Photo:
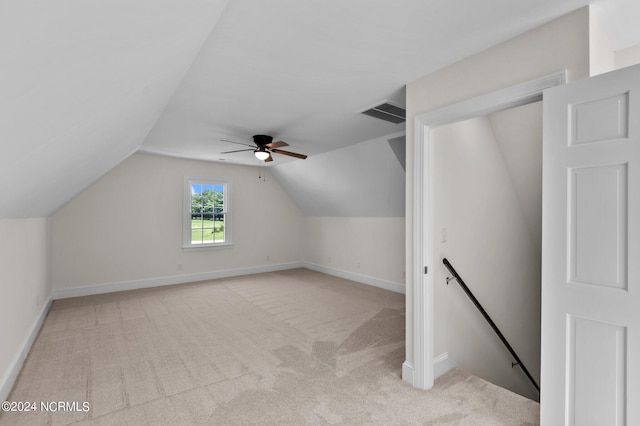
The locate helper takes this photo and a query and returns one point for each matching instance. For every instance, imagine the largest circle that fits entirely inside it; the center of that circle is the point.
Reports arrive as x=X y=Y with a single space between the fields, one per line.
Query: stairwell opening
x=487 y=218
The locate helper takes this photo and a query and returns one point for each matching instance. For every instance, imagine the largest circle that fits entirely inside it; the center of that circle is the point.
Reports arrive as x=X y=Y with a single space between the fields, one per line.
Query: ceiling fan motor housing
x=262 y=140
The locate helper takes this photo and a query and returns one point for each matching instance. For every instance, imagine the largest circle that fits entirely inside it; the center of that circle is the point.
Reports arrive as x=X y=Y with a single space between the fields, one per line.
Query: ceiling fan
x=263 y=147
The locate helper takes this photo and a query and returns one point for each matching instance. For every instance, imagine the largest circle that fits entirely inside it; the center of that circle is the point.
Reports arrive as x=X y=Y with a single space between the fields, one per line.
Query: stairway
x=481 y=402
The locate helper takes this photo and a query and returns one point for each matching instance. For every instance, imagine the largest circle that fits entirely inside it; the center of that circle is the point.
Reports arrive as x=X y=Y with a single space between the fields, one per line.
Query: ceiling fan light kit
x=262 y=148
x=261 y=154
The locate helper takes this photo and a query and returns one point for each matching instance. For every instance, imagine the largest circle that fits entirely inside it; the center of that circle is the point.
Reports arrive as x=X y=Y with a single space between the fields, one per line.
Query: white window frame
x=186 y=220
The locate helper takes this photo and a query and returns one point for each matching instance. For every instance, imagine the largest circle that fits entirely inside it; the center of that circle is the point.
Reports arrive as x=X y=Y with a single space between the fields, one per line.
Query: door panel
x=600 y=120
x=600 y=367
x=598 y=225
x=591 y=252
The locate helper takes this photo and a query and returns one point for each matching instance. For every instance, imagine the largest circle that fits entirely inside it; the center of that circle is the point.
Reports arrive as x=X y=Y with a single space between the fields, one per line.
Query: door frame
x=420 y=373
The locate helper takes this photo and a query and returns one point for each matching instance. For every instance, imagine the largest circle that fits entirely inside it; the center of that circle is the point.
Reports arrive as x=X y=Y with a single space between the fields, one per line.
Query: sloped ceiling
x=620 y=21
x=84 y=84
x=361 y=180
x=301 y=70
x=518 y=132
x=81 y=85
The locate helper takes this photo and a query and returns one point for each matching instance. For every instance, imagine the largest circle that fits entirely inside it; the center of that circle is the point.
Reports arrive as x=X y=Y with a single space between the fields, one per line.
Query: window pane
x=207 y=228
x=219 y=198
x=207 y=235
x=196 y=199
x=196 y=231
x=207 y=202
x=219 y=229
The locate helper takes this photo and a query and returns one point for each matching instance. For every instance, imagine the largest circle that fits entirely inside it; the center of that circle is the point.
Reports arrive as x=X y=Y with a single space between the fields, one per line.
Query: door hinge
x=426 y=269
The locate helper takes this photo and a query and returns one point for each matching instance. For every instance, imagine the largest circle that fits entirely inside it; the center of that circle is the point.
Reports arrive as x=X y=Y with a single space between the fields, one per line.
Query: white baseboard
x=6 y=382
x=407 y=373
x=171 y=280
x=387 y=285
x=443 y=363
x=187 y=278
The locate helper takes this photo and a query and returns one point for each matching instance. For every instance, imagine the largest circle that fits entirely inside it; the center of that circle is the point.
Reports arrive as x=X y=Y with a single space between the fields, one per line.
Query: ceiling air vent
x=387 y=111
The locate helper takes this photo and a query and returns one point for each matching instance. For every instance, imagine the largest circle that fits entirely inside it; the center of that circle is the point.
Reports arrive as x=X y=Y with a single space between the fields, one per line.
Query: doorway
x=487 y=222
x=419 y=371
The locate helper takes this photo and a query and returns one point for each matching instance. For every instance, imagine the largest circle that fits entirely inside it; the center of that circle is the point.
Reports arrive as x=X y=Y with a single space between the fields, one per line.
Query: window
x=207 y=219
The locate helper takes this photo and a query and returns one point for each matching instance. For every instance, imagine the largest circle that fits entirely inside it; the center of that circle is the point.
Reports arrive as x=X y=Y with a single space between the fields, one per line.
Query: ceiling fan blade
x=290 y=154
x=239 y=143
x=269 y=158
x=239 y=150
x=277 y=144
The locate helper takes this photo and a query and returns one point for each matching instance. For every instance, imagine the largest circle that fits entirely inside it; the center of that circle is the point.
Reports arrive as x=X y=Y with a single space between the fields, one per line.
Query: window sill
x=207 y=247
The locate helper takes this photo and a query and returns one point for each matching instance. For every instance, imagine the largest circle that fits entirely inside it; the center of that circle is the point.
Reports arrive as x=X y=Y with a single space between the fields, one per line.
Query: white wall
x=559 y=45
x=126 y=229
x=490 y=245
x=128 y=225
x=353 y=202
x=371 y=247
x=628 y=56
x=24 y=290
x=602 y=56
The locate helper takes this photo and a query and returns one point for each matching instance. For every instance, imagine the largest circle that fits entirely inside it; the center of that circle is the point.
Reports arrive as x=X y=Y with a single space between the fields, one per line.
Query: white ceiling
x=518 y=133
x=301 y=70
x=85 y=83
x=81 y=84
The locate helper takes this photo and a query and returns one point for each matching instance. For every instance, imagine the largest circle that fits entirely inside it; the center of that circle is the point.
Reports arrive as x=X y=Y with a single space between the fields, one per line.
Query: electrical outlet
x=328 y=259
x=37 y=300
x=358 y=265
x=179 y=266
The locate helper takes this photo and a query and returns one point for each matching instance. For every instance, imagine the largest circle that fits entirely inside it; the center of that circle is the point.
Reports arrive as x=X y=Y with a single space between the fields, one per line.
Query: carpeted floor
x=293 y=347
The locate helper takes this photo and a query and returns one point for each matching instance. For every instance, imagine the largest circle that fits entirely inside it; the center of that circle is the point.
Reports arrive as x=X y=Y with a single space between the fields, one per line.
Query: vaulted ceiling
x=84 y=83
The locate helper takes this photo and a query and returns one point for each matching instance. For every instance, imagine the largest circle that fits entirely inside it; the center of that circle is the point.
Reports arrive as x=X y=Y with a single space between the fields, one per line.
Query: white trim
x=214 y=246
x=521 y=94
x=364 y=279
x=422 y=288
x=407 y=373
x=189 y=278
x=7 y=381
x=443 y=363
x=176 y=279
x=510 y=97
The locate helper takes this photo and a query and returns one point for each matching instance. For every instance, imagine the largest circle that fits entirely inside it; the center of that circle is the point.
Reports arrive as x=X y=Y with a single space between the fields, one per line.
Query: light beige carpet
x=293 y=347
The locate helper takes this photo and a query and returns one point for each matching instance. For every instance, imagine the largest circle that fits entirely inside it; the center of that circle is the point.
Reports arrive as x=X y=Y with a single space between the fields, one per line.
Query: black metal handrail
x=486 y=316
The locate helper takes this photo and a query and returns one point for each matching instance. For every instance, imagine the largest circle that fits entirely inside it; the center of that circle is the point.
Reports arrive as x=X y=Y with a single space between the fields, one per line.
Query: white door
x=590 y=372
